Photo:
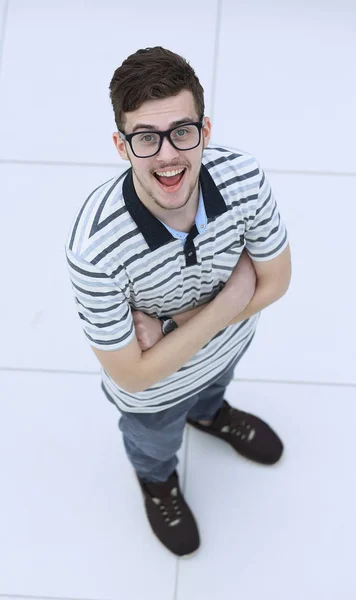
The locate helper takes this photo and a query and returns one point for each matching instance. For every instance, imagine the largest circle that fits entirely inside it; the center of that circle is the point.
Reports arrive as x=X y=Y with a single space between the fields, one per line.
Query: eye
x=147 y=138
x=181 y=132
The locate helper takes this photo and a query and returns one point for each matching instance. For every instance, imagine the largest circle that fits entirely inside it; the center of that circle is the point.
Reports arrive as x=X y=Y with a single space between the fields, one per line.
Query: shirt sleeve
x=266 y=235
x=104 y=311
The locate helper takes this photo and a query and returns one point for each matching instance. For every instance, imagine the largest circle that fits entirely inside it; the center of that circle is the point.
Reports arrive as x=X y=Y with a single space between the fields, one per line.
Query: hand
x=148 y=329
x=241 y=285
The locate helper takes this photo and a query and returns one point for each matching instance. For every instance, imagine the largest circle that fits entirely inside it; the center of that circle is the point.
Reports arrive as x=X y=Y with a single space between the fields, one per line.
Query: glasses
x=148 y=143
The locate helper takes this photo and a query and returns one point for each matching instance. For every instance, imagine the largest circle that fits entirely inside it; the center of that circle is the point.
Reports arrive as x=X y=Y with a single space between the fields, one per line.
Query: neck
x=185 y=220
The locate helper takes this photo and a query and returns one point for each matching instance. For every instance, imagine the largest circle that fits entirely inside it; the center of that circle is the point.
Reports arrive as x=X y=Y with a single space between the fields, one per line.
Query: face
x=160 y=114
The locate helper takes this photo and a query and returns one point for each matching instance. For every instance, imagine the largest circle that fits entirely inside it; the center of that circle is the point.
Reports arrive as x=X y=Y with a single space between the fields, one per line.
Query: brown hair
x=152 y=73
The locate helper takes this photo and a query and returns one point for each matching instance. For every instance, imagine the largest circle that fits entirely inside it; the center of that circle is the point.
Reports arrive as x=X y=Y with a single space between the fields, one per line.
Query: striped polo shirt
x=122 y=258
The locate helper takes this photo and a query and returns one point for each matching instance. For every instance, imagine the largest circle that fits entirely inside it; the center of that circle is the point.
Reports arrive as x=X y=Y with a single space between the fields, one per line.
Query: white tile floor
x=72 y=525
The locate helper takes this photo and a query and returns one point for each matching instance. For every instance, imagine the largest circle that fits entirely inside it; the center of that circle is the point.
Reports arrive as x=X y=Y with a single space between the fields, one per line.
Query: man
x=171 y=264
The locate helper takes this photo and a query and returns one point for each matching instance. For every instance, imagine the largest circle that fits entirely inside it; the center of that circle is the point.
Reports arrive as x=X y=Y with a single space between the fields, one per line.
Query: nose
x=167 y=151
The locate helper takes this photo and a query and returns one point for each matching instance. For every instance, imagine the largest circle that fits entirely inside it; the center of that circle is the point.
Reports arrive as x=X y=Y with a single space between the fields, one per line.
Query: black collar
x=154 y=232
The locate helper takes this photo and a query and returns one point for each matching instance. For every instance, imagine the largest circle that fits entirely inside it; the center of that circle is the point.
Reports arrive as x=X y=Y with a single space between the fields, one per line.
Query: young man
x=171 y=264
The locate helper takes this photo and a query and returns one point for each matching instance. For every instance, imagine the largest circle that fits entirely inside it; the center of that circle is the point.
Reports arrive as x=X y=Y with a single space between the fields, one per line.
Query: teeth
x=169 y=173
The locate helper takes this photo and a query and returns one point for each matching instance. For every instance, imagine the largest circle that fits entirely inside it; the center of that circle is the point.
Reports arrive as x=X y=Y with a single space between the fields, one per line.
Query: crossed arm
x=273 y=279
x=158 y=356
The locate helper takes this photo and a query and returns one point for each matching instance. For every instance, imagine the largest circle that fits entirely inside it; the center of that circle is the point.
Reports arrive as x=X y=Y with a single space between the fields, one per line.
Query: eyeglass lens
x=147 y=143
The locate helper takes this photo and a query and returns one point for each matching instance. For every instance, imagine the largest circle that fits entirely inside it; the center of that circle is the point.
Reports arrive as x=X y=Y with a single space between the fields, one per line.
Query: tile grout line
x=121 y=168
x=61 y=163
x=237 y=379
x=295 y=382
x=216 y=57
x=183 y=486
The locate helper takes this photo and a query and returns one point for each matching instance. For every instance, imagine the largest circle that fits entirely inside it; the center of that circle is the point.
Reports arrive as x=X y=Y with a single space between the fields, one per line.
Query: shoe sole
x=170 y=551
x=186 y=555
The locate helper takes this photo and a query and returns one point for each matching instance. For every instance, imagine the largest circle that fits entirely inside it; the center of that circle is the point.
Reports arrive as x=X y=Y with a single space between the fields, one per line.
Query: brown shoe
x=248 y=435
x=170 y=517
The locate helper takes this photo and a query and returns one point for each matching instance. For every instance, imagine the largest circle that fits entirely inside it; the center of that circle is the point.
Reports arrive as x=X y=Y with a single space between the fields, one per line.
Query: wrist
x=167 y=325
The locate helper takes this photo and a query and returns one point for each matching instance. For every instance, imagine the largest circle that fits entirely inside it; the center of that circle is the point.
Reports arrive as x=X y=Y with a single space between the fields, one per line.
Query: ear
x=120 y=145
x=206 y=131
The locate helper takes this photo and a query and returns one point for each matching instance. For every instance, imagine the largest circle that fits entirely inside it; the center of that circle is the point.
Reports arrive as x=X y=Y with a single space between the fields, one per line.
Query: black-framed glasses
x=148 y=143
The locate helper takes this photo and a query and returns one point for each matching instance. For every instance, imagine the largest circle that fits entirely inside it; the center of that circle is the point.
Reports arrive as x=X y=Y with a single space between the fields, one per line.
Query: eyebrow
x=140 y=126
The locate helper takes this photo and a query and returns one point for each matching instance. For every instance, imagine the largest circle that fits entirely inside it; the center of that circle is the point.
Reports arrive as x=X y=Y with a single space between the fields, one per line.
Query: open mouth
x=170 y=181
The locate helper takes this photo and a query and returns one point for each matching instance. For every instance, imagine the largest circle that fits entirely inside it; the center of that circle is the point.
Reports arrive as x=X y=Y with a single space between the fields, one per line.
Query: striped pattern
x=120 y=258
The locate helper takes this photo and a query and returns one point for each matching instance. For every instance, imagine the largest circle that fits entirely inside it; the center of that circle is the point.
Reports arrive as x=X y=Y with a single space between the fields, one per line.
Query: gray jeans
x=151 y=440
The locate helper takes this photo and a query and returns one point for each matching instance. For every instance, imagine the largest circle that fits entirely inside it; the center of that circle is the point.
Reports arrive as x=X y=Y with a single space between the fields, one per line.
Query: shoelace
x=169 y=507
x=238 y=426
